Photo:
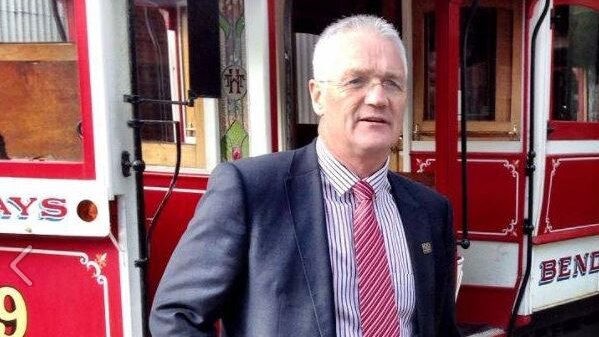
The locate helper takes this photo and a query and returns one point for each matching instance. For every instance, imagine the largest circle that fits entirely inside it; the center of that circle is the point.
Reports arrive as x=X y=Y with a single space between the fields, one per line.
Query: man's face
x=362 y=101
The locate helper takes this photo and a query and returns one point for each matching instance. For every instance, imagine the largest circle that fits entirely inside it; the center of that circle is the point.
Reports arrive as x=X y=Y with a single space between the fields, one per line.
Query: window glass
x=481 y=60
x=153 y=71
x=40 y=87
x=481 y=63
x=575 y=84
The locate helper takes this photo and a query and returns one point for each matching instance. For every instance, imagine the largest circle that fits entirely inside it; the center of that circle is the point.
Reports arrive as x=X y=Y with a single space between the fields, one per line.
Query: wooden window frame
x=507 y=123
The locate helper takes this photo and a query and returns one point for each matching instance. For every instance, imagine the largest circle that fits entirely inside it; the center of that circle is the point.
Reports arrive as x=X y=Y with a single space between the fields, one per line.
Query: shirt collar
x=342 y=179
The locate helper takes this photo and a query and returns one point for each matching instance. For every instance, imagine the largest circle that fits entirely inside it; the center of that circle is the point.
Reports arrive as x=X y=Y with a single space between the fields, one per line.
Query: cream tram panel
x=564 y=271
x=43 y=207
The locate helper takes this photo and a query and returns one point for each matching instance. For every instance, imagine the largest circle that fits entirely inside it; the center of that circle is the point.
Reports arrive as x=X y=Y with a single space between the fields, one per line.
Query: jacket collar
x=304 y=194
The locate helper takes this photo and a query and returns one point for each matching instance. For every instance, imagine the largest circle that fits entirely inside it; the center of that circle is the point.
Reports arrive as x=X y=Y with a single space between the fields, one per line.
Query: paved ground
x=584 y=327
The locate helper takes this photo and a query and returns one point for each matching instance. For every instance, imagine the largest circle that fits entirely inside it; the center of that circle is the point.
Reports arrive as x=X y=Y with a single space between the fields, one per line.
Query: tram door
x=66 y=211
x=305 y=20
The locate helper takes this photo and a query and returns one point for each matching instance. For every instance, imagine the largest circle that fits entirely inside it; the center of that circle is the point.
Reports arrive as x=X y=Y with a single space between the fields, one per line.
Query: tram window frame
x=564 y=129
x=84 y=168
x=506 y=125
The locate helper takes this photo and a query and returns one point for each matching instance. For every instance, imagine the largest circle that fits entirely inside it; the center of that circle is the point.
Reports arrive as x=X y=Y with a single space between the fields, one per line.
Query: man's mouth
x=373 y=120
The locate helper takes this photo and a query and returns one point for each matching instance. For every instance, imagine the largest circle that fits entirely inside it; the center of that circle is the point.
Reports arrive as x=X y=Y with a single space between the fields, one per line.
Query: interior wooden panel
x=418 y=54
x=164 y=154
x=40 y=109
x=38 y=52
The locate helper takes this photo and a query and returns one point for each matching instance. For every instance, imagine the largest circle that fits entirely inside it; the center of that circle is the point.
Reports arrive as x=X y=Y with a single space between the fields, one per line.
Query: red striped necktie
x=378 y=309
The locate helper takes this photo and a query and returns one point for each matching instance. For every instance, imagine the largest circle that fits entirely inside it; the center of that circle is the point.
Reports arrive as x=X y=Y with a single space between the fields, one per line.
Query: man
x=324 y=240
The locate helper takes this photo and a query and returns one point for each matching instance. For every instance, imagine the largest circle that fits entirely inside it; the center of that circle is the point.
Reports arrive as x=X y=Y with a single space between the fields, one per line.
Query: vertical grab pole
x=465 y=242
x=142 y=259
x=530 y=168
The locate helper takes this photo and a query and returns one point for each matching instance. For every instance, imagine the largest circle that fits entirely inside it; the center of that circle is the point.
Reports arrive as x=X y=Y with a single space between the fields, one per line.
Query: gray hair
x=349 y=24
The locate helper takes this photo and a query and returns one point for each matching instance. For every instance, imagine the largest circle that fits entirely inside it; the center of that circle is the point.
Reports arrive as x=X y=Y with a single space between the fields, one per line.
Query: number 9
x=13 y=313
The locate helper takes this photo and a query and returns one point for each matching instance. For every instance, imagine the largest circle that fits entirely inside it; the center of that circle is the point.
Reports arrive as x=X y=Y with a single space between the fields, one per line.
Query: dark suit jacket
x=256 y=255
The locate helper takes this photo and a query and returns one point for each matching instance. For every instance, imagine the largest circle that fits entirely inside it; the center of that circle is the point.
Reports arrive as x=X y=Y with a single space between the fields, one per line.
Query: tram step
x=487 y=332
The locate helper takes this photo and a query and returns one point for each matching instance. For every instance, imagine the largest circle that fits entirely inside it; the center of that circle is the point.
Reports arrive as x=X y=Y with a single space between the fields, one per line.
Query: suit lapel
x=304 y=193
x=416 y=227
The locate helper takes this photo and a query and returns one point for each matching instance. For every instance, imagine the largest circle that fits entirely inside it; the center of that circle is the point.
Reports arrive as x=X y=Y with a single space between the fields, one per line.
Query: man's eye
x=356 y=82
x=391 y=84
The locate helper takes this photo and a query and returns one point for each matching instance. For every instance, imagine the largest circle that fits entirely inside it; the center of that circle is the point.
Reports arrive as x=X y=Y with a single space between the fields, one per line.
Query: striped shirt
x=339 y=201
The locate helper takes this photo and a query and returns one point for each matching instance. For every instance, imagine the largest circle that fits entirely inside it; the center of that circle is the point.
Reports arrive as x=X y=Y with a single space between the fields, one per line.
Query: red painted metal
x=485 y=305
x=563 y=236
x=570 y=198
x=57 y=169
x=523 y=320
x=566 y=130
x=594 y=4
x=447 y=39
x=173 y=222
x=495 y=193
x=272 y=62
x=73 y=283
x=162 y=179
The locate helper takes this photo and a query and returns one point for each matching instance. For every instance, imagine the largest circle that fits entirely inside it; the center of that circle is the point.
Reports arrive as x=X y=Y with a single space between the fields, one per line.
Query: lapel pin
x=427 y=247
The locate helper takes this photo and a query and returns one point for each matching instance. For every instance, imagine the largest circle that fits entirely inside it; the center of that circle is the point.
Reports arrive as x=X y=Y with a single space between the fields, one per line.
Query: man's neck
x=362 y=165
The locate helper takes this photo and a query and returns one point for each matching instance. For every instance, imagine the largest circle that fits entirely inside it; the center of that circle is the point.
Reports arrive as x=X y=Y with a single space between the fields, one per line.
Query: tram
x=115 y=112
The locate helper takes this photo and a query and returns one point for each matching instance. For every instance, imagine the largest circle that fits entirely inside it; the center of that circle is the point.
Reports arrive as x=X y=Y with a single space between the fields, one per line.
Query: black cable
x=59 y=24
x=169 y=192
x=159 y=69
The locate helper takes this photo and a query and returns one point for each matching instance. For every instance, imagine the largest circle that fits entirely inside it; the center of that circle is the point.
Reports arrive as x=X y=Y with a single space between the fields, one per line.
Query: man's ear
x=316 y=96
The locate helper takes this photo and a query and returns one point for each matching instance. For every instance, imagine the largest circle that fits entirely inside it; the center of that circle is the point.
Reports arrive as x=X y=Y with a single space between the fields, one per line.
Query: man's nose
x=376 y=95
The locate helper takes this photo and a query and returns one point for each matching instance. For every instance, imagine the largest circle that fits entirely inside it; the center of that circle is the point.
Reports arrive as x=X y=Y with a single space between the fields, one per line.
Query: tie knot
x=363 y=190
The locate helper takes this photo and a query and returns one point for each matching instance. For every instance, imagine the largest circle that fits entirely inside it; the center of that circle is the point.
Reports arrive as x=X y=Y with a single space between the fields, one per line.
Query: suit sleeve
x=206 y=263
x=448 y=326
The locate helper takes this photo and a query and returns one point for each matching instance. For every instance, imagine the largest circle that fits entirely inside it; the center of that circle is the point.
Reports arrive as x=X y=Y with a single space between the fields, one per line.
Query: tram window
x=161 y=37
x=178 y=45
x=493 y=96
x=575 y=83
x=480 y=63
x=40 y=89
